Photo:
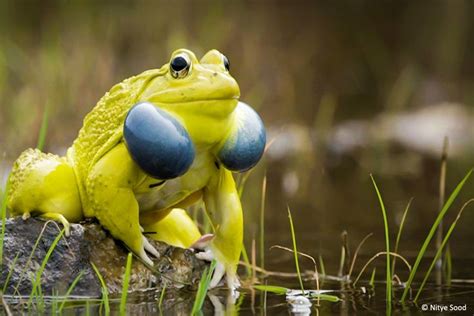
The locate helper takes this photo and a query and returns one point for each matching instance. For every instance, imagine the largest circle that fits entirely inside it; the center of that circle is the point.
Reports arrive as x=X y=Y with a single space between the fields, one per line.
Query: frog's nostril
x=215 y=74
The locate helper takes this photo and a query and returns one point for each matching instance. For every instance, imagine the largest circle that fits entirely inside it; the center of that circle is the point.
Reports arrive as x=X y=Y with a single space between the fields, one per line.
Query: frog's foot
x=149 y=247
x=58 y=218
x=144 y=257
x=219 y=272
x=26 y=215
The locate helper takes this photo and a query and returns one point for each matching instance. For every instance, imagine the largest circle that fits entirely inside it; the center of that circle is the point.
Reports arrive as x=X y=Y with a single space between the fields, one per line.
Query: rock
x=88 y=243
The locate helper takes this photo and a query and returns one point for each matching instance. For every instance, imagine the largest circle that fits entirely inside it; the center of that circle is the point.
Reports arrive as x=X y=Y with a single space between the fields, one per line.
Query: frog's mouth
x=217 y=108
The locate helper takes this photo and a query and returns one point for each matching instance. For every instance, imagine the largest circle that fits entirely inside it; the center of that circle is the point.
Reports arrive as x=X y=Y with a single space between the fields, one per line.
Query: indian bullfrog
x=153 y=145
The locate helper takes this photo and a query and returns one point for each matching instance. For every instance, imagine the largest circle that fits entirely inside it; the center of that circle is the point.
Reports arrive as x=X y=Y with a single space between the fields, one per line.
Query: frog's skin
x=153 y=145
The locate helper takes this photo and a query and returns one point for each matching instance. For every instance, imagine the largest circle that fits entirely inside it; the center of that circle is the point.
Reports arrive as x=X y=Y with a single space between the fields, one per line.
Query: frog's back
x=102 y=128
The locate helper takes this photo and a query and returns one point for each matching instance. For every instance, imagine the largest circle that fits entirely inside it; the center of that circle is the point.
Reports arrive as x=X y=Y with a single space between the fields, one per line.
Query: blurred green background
x=310 y=68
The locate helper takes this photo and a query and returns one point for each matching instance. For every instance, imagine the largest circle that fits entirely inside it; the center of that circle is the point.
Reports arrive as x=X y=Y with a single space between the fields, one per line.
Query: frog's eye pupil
x=179 y=66
x=226 y=63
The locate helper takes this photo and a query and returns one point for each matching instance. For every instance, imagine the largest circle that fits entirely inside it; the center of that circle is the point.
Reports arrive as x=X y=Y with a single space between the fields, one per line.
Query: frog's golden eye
x=179 y=66
x=226 y=62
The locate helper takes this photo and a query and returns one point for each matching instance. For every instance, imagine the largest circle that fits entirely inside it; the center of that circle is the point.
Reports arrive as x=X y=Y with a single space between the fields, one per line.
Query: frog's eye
x=179 y=66
x=226 y=62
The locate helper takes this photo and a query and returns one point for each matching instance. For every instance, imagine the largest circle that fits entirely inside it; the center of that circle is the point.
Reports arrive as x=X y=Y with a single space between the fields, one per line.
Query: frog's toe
x=207 y=255
x=149 y=247
x=26 y=215
x=232 y=281
x=144 y=257
x=67 y=229
x=217 y=276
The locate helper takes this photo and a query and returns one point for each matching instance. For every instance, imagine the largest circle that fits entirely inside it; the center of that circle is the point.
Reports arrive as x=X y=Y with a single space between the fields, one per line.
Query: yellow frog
x=154 y=144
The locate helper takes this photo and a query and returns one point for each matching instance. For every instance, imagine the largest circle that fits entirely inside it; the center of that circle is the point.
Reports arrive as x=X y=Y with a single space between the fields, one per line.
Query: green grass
x=126 y=283
x=43 y=129
x=162 y=297
x=431 y=233
x=4 y=216
x=387 y=245
x=37 y=282
x=105 y=291
x=203 y=288
x=245 y=258
x=321 y=265
x=31 y=255
x=69 y=290
x=275 y=289
x=372 y=277
x=440 y=249
x=280 y=290
x=295 y=250
x=448 y=266
x=399 y=234
x=12 y=267
x=262 y=223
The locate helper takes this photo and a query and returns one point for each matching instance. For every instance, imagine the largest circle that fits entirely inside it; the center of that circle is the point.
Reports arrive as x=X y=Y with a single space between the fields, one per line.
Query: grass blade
x=4 y=216
x=372 y=277
x=43 y=129
x=399 y=234
x=203 y=287
x=37 y=281
x=126 y=283
x=295 y=250
x=162 y=297
x=435 y=225
x=387 y=244
x=262 y=223
x=440 y=249
x=105 y=292
x=326 y=297
x=321 y=265
x=7 y=280
x=69 y=291
x=271 y=288
x=448 y=266
x=245 y=258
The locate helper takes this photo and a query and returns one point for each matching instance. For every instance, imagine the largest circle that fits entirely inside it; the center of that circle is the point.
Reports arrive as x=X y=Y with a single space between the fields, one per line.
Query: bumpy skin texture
x=99 y=178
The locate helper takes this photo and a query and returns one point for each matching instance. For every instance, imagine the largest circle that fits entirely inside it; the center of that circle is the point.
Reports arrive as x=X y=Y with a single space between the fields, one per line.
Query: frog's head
x=192 y=88
x=192 y=103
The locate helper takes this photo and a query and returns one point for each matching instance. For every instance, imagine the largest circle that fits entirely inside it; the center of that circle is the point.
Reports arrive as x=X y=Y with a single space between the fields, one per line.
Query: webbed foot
x=232 y=280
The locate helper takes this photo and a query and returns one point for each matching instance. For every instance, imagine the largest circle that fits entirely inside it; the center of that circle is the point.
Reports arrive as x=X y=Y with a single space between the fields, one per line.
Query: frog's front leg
x=110 y=192
x=223 y=206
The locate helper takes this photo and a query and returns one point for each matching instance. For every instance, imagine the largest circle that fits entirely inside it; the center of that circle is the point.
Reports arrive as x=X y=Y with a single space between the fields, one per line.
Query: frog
x=154 y=145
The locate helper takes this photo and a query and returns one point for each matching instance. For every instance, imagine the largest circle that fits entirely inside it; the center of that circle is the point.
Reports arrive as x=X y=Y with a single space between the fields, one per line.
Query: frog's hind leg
x=44 y=185
x=176 y=229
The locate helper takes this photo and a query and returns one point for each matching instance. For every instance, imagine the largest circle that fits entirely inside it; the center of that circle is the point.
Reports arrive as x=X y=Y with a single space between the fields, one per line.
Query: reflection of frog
x=155 y=143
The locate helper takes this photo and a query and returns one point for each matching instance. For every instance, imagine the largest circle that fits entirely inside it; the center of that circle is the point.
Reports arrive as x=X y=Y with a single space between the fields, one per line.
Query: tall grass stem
x=431 y=233
x=387 y=246
x=295 y=250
